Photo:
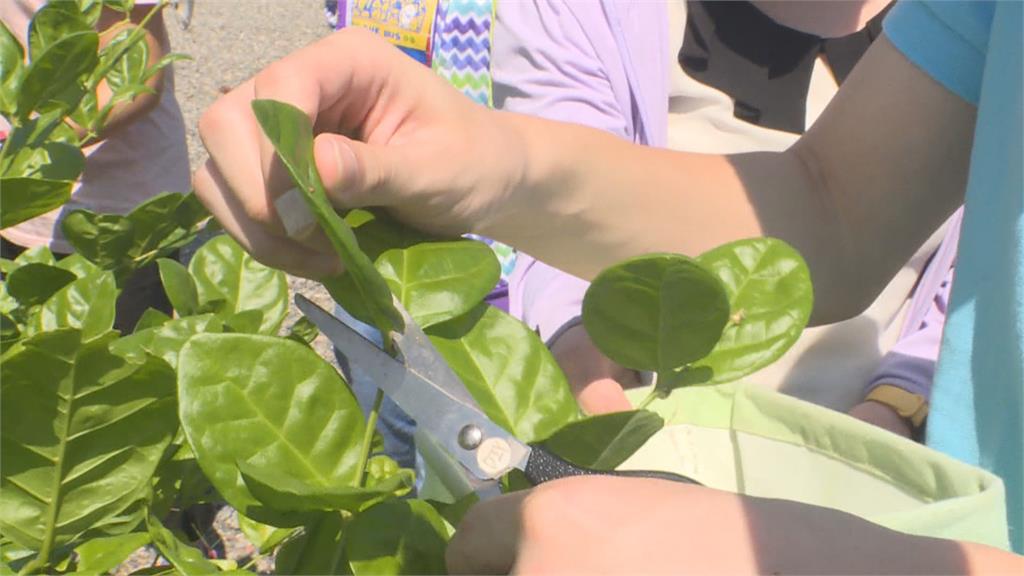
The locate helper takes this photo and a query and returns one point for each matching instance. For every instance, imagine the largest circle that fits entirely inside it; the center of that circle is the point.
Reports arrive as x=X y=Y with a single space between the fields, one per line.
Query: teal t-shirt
x=974 y=49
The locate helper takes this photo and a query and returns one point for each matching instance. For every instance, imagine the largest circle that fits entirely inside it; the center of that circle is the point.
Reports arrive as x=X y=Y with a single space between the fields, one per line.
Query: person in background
x=736 y=77
x=140 y=153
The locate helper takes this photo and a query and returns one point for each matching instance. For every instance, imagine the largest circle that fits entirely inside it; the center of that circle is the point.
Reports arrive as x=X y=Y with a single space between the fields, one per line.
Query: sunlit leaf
x=103 y=555
x=179 y=286
x=605 y=441
x=397 y=537
x=57 y=70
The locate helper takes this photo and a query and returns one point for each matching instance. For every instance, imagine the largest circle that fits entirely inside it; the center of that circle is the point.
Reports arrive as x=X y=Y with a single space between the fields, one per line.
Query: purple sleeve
x=911 y=362
x=544 y=64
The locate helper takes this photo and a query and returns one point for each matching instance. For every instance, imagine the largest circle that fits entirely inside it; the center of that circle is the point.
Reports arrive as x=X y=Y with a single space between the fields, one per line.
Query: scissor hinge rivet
x=470 y=436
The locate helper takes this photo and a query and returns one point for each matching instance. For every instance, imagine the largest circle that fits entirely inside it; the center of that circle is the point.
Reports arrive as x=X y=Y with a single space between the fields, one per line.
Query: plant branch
x=371 y=426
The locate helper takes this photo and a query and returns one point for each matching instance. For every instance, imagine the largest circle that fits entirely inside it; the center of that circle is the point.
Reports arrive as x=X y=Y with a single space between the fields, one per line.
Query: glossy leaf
x=508 y=371
x=51 y=23
x=151 y=318
x=291 y=133
x=166 y=340
x=33 y=284
x=12 y=69
x=26 y=198
x=437 y=281
x=37 y=255
x=86 y=304
x=102 y=238
x=130 y=67
x=186 y=560
x=605 y=441
x=318 y=550
x=655 y=312
x=103 y=555
x=179 y=286
x=163 y=224
x=47 y=160
x=77 y=265
x=397 y=537
x=282 y=491
x=223 y=271
x=246 y=322
x=68 y=407
x=264 y=537
x=770 y=298
x=276 y=405
x=57 y=70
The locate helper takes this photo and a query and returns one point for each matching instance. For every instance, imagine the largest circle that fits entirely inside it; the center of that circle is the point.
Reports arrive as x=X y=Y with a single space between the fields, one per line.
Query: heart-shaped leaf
x=223 y=271
x=275 y=405
x=655 y=312
x=770 y=298
x=508 y=371
x=68 y=407
x=605 y=441
x=291 y=133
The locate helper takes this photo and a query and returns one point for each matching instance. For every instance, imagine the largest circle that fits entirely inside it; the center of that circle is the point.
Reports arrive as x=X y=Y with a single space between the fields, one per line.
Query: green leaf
x=222 y=270
x=67 y=409
x=77 y=265
x=318 y=550
x=282 y=491
x=26 y=198
x=87 y=304
x=605 y=441
x=437 y=281
x=303 y=331
x=656 y=312
x=179 y=482
x=45 y=160
x=275 y=405
x=12 y=69
x=130 y=68
x=51 y=23
x=508 y=371
x=291 y=133
x=90 y=10
x=397 y=537
x=125 y=6
x=246 y=322
x=264 y=537
x=56 y=71
x=9 y=332
x=163 y=224
x=166 y=340
x=37 y=255
x=770 y=298
x=179 y=286
x=187 y=560
x=151 y=318
x=104 y=239
x=33 y=284
x=103 y=555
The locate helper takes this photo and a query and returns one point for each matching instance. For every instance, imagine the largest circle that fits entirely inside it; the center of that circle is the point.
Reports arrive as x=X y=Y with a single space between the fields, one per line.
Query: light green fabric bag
x=750 y=440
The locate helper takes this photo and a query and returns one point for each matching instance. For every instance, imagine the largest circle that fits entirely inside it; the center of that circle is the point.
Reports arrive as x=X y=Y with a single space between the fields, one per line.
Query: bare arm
x=885 y=164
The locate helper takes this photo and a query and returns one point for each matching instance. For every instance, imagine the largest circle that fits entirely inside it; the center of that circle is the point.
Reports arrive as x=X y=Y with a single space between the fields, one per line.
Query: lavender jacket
x=603 y=64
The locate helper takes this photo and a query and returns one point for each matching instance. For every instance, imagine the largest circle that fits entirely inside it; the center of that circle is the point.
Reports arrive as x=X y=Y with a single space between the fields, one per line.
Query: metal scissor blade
x=434 y=408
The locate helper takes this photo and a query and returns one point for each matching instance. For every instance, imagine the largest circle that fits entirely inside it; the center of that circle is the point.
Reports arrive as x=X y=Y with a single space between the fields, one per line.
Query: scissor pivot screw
x=470 y=436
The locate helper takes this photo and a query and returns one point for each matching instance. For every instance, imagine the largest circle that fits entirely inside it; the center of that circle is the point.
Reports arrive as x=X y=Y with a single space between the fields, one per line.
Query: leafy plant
x=104 y=433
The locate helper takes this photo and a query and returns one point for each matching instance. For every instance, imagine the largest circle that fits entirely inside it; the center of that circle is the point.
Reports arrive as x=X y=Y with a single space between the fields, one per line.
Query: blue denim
x=393 y=423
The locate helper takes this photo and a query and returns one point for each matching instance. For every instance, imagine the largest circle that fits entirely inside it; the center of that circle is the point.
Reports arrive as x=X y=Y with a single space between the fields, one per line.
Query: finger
x=356 y=174
x=269 y=249
x=231 y=135
x=488 y=537
x=601 y=396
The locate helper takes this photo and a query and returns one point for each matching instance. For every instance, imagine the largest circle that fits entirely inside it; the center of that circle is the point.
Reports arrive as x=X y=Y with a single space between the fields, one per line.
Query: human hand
x=596 y=381
x=390 y=133
x=604 y=524
x=882 y=416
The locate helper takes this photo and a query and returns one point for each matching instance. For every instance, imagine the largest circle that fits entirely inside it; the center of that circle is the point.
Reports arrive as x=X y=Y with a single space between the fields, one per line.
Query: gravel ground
x=229 y=41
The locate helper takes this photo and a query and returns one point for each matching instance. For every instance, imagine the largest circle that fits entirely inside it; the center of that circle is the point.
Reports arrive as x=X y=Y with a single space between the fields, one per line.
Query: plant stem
x=651 y=397
x=371 y=426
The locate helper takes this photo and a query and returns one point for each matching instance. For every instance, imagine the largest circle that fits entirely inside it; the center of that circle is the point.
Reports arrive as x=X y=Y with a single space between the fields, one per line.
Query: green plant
x=103 y=433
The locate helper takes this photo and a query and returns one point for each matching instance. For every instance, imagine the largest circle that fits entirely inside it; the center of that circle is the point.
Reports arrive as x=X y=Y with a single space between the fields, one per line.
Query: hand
x=882 y=416
x=602 y=524
x=596 y=381
x=391 y=133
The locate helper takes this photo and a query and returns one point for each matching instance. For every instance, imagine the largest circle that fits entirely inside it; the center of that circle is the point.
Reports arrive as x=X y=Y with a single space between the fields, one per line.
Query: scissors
x=427 y=389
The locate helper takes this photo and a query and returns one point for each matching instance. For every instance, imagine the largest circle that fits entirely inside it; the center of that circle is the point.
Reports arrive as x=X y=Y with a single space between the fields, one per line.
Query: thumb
x=355 y=174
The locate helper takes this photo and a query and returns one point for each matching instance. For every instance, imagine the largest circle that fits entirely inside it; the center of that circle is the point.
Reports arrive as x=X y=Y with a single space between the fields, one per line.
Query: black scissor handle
x=543 y=466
